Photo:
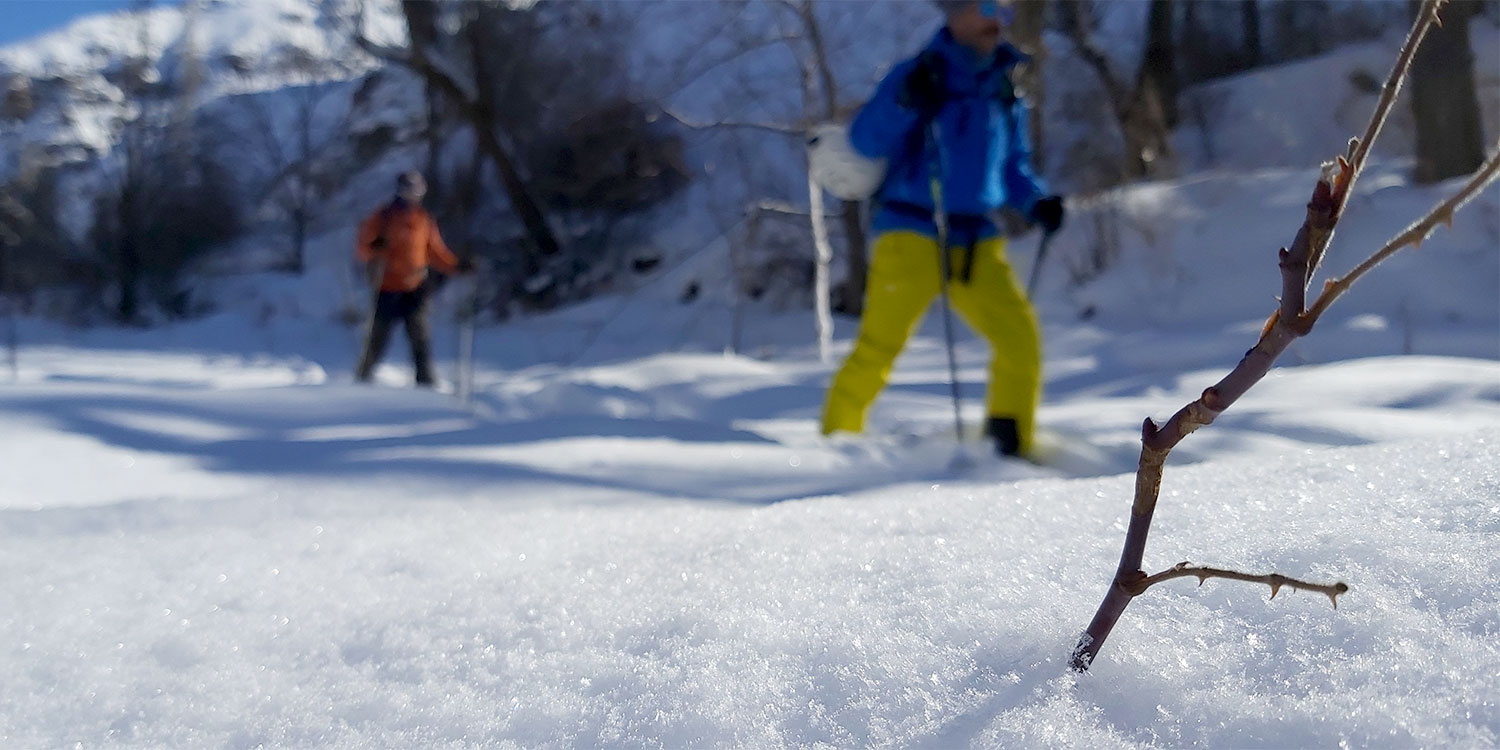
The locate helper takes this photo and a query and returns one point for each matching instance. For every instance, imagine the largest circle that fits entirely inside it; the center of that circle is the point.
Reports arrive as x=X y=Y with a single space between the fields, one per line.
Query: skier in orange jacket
x=398 y=243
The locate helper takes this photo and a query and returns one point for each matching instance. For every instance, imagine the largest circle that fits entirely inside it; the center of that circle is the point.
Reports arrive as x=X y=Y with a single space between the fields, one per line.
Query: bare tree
x=1026 y=35
x=1147 y=109
x=1293 y=319
x=471 y=94
x=815 y=34
x=12 y=214
x=293 y=175
x=821 y=99
x=1250 y=24
x=543 y=91
x=1449 y=137
x=168 y=201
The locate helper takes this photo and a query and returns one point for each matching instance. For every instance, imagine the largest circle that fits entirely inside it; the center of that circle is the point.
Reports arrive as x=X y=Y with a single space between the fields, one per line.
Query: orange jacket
x=411 y=244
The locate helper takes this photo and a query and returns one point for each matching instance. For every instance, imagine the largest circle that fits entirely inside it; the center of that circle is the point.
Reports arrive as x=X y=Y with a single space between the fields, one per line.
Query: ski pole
x=466 y=342
x=376 y=270
x=940 y=219
x=1036 y=265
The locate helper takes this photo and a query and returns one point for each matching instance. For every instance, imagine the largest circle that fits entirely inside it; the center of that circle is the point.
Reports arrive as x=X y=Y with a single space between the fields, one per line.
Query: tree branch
x=1275 y=580
x=1412 y=236
x=1094 y=57
x=1287 y=323
x=768 y=127
x=1353 y=165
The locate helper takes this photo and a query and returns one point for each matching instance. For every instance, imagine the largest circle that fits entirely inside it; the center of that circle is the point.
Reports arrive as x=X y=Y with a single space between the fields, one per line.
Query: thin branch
x=768 y=127
x=1427 y=16
x=750 y=48
x=1353 y=165
x=1298 y=263
x=1413 y=236
x=1095 y=58
x=1275 y=580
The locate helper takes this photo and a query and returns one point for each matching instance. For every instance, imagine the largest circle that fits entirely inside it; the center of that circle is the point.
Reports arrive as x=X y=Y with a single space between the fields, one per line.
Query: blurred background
x=163 y=162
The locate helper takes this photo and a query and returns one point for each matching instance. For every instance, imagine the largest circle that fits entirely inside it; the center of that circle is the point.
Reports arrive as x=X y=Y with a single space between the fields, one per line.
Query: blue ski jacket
x=986 y=153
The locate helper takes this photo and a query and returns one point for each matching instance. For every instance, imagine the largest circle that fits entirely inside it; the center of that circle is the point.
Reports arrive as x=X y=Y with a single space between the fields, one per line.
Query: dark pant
x=411 y=309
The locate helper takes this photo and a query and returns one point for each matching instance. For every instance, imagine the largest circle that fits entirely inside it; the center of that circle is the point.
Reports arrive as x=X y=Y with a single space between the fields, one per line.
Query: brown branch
x=1359 y=149
x=1298 y=263
x=1426 y=17
x=1275 y=580
x=1157 y=441
x=1095 y=58
x=1412 y=236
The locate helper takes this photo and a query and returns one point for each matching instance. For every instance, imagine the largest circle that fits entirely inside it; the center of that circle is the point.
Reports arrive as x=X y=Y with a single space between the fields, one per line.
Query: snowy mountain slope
x=72 y=78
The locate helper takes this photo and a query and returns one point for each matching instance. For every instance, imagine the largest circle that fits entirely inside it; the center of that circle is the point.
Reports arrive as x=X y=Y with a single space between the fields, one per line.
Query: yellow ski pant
x=905 y=276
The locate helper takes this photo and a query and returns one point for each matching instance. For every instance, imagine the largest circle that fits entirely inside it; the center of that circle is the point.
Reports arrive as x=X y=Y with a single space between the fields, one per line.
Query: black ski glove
x=925 y=87
x=1048 y=212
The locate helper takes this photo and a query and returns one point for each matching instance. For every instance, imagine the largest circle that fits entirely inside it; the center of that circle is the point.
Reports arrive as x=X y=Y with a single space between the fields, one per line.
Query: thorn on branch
x=1338 y=588
x=1275 y=580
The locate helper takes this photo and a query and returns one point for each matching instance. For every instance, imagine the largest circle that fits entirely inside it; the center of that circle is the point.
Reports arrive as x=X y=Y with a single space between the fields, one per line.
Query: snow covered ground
x=209 y=537
x=217 y=553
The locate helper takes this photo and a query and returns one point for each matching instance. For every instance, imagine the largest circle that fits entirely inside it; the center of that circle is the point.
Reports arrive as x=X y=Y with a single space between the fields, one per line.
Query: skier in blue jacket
x=961 y=82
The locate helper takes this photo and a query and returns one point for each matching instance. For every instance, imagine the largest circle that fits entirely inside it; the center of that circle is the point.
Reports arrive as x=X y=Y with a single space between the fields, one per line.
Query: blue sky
x=22 y=19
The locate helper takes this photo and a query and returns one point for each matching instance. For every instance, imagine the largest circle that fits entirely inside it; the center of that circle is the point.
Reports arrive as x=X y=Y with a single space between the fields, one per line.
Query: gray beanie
x=411 y=180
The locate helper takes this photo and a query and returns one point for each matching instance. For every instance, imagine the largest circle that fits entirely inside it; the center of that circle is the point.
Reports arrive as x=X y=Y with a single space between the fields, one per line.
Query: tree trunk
x=434 y=140
x=1159 y=63
x=851 y=292
x=821 y=292
x=1151 y=112
x=1141 y=112
x=130 y=275
x=1250 y=22
x=1026 y=33
x=851 y=297
x=128 y=262
x=300 y=220
x=1449 y=137
x=421 y=25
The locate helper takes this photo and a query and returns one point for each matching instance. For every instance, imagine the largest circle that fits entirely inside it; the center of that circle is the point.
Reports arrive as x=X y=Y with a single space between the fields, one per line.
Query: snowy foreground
x=205 y=551
x=210 y=538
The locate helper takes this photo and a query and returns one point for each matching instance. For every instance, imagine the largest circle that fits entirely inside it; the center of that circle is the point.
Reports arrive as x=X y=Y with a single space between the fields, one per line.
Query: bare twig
x=1359 y=149
x=1275 y=580
x=1289 y=322
x=1413 y=235
x=768 y=127
x=783 y=208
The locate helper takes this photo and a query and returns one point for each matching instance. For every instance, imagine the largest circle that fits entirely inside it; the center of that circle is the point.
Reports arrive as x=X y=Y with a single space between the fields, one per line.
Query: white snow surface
x=212 y=552
x=211 y=538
